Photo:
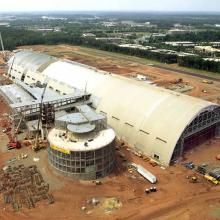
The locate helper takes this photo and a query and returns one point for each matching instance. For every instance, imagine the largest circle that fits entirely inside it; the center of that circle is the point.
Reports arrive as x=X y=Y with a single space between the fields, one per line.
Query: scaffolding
x=81 y=145
x=59 y=103
x=84 y=165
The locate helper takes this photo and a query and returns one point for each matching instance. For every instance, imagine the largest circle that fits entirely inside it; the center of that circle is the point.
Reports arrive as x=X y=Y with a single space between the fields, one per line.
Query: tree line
x=199 y=63
x=19 y=37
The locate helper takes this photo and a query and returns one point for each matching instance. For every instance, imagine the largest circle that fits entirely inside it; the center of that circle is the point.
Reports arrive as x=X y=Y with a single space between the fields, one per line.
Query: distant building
x=88 y=35
x=135 y=24
x=177 y=25
x=144 y=39
x=57 y=29
x=45 y=29
x=109 y=24
x=130 y=23
x=215 y=44
x=165 y=51
x=183 y=54
x=136 y=46
x=126 y=35
x=207 y=49
x=212 y=59
x=53 y=18
x=113 y=40
x=6 y=24
x=180 y=43
x=178 y=31
x=173 y=52
x=158 y=35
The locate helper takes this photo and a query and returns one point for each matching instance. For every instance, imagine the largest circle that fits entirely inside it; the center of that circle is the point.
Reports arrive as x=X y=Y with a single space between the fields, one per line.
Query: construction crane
x=11 y=66
x=37 y=146
x=2 y=46
x=84 y=98
x=13 y=142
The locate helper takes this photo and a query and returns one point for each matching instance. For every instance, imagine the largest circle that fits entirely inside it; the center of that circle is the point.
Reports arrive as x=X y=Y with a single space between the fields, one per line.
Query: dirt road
x=201 y=76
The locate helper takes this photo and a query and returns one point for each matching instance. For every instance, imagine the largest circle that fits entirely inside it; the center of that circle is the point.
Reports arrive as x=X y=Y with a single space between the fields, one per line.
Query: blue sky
x=110 y=5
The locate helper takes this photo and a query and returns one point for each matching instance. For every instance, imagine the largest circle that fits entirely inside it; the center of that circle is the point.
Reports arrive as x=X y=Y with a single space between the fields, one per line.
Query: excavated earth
x=176 y=196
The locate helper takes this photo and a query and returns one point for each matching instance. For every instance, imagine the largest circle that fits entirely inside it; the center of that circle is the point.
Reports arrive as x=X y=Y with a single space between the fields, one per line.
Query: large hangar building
x=160 y=123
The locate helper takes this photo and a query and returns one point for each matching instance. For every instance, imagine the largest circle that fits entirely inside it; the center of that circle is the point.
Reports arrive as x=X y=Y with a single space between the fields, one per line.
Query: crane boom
x=39 y=119
x=3 y=49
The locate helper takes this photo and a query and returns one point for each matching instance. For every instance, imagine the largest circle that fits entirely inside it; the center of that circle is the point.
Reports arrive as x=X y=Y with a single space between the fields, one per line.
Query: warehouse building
x=157 y=122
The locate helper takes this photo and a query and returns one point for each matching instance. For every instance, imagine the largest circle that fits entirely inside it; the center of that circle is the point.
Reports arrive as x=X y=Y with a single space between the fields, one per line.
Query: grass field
x=91 y=53
x=96 y=52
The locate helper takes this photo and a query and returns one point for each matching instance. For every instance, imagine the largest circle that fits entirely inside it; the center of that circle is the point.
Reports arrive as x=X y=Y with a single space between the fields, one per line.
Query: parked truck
x=146 y=174
x=143 y=172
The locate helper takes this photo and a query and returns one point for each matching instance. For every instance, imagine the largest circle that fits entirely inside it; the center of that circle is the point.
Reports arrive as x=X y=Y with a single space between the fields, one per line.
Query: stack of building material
x=23 y=186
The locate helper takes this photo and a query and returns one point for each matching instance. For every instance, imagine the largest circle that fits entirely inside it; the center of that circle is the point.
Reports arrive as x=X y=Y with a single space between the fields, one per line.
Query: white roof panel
x=149 y=118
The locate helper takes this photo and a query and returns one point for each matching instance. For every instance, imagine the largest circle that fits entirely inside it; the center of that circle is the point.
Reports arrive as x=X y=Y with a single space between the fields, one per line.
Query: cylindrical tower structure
x=81 y=149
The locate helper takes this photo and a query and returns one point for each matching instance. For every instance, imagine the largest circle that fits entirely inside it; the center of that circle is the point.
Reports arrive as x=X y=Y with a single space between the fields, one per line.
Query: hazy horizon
x=204 y=6
x=108 y=11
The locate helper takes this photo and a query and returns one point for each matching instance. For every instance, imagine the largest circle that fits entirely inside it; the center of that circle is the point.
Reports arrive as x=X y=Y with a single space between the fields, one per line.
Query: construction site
x=88 y=134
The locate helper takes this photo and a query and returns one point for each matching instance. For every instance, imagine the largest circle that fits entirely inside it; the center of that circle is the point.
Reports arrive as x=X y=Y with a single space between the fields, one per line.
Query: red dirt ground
x=176 y=198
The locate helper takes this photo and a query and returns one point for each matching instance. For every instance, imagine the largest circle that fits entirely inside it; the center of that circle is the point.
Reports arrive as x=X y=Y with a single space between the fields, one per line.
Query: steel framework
x=205 y=124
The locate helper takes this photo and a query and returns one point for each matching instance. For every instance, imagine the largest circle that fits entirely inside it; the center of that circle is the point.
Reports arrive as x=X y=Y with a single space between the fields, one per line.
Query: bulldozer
x=211 y=179
x=192 y=179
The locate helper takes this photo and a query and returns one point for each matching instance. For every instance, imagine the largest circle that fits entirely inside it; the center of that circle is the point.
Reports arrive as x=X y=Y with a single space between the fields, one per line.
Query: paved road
x=188 y=73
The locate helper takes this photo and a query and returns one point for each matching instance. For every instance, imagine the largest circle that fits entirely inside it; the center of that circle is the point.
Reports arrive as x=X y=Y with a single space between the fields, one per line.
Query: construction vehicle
x=207 y=82
x=130 y=170
x=14 y=144
x=6 y=130
x=97 y=182
x=153 y=163
x=41 y=144
x=12 y=133
x=211 y=179
x=215 y=173
x=201 y=169
x=193 y=179
x=147 y=191
x=27 y=142
x=189 y=165
x=145 y=158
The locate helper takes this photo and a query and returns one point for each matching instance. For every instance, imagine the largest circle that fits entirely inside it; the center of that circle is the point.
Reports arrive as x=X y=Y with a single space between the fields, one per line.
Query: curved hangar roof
x=150 y=118
x=29 y=60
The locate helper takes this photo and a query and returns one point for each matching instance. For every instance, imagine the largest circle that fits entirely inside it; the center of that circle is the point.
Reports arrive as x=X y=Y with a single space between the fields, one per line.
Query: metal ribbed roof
x=34 y=61
x=149 y=118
